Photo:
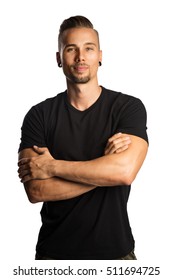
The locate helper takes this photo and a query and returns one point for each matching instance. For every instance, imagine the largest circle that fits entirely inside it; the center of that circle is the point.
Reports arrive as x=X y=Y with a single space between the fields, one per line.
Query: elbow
x=128 y=179
x=125 y=177
x=32 y=199
x=128 y=175
x=33 y=192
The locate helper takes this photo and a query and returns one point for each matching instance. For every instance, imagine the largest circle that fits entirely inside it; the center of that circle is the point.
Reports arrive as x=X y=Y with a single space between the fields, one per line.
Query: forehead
x=78 y=36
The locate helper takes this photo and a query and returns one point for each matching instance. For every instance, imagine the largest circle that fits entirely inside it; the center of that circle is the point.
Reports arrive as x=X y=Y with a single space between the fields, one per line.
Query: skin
x=54 y=188
x=48 y=179
x=80 y=56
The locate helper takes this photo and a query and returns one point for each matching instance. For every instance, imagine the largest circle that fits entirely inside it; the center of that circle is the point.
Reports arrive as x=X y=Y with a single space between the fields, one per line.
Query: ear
x=58 y=57
x=100 y=56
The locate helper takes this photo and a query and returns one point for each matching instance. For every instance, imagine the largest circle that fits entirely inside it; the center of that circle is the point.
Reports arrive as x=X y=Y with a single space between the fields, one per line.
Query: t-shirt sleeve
x=32 y=130
x=133 y=119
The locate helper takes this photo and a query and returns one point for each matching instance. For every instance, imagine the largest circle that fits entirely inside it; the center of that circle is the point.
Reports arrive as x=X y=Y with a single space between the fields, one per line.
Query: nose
x=79 y=56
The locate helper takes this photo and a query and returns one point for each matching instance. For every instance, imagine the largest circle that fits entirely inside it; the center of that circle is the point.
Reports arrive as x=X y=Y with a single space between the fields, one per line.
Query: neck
x=82 y=96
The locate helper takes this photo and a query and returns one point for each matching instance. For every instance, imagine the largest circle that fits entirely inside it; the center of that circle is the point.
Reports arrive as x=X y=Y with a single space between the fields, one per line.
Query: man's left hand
x=38 y=167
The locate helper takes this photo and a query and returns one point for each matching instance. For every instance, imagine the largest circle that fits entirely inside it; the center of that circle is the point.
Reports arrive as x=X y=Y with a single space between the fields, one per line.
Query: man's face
x=80 y=54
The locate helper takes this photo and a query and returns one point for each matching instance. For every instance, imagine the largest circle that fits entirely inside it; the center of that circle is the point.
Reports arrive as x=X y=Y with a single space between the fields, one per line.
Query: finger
x=39 y=150
x=23 y=161
x=26 y=179
x=115 y=136
x=23 y=170
x=23 y=167
x=117 y=145
x=116 y=139
x=119 y=142
x=107 y=150
x=23 y=173
x=119 y=138
x=110 y=149
x=122 y=149
x=114 y=150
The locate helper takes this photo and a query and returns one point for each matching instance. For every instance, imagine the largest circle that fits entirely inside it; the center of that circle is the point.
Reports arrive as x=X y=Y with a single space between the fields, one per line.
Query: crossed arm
x=47 y=179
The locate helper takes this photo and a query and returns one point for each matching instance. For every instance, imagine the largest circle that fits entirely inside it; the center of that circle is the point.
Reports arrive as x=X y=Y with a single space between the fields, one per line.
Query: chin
x=82 y=80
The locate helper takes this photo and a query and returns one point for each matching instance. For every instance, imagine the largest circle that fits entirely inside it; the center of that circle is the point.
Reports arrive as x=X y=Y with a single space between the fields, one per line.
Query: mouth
x=80 y=68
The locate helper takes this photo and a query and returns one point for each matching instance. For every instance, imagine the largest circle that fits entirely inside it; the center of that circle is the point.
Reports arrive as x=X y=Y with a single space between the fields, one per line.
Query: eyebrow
x=74 y=45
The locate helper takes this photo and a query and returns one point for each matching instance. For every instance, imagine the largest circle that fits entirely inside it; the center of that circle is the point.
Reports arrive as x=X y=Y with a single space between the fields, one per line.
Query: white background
x=136 y=39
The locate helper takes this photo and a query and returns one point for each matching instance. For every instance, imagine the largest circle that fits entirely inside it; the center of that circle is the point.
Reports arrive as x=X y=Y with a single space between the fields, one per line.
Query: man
x=79 y=153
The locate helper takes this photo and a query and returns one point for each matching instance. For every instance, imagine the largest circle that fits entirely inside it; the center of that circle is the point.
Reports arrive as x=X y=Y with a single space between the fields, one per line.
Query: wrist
x=53 y=170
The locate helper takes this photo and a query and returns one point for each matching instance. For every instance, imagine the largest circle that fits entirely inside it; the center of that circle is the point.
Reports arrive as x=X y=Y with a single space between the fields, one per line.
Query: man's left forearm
x=109 y=170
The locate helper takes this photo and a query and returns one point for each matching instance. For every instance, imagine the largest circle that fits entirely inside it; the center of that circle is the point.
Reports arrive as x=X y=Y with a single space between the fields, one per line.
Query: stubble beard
x=78 y=79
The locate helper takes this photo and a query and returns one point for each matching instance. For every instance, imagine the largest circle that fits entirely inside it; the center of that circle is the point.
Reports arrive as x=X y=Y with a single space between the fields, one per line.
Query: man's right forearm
x=54 y=189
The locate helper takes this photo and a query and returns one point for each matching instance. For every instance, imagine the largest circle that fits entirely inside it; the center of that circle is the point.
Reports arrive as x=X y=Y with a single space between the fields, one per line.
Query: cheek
x=94 y=56
x=94 y=62
x=67 y=58
x=94 y=59
x=67 y=62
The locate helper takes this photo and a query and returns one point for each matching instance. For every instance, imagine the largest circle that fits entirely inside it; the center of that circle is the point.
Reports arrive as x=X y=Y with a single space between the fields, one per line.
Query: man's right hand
x=118 y=143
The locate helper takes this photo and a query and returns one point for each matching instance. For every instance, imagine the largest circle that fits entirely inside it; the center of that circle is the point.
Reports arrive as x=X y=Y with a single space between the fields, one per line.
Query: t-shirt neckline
x=89 y=108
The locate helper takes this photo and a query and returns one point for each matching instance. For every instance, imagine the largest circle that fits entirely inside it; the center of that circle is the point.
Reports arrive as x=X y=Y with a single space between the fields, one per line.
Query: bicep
x=26 y=153
x=124 y=166
x=134 y=156
x=33 y=129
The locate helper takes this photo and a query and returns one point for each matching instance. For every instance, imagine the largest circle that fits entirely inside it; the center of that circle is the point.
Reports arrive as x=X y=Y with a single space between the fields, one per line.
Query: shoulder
x=46 y=105
x=122 y=100
x=49 y=102
x=119 y=95
x=128 y=113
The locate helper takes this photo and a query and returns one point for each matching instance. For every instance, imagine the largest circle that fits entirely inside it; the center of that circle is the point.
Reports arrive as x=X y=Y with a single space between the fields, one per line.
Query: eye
x=71 y=49
x=89 y=49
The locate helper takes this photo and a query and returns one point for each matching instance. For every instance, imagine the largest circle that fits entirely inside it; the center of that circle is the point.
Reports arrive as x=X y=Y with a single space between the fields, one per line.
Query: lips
x=80 y=68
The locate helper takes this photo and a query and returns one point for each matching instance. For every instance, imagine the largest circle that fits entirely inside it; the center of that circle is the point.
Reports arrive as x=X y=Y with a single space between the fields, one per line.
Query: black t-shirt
x=94 y=225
